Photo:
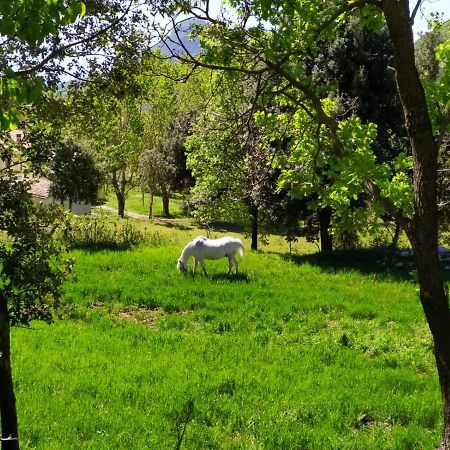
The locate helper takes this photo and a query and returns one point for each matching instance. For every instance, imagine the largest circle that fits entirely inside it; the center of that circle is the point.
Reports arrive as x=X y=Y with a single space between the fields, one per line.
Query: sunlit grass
x=138 y=202
x=310 y=353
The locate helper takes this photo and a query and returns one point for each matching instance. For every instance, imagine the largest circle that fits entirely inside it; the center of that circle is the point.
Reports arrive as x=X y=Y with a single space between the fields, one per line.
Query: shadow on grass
x=224 y=227
x=232 y=278
x=380 y=261
x=175 y=225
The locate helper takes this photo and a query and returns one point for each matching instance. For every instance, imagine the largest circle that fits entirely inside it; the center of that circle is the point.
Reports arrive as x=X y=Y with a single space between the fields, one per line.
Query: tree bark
x=119 y=187
x=10 y=432
x=396 y=236
x=255 y=226
x=326 y=239
x=165 y=201
x=121 y=205
x=423 y=233
x=150 y=206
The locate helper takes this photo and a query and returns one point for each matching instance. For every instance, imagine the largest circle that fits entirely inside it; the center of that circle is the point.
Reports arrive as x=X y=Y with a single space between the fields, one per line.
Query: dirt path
x=138 y=216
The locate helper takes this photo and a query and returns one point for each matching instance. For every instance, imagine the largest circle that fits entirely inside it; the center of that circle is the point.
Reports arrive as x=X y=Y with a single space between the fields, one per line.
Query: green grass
x=139 y=203
x=304 y=353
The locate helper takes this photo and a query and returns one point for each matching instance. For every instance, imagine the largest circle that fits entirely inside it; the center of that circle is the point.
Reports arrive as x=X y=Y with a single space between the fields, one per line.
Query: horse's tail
x=241 y=248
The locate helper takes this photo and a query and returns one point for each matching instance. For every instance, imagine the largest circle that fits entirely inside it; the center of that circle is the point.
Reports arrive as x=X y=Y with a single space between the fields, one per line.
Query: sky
x=428 y=7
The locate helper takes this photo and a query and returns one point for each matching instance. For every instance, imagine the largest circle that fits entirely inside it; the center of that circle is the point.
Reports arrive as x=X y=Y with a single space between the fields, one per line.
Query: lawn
x=138 y=202
x=304 y=352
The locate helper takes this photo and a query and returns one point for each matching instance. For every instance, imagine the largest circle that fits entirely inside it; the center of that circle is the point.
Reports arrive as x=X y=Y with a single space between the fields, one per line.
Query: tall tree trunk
x=119 y=186
x=10 y=433
x=326 y=239
x=150 y=206
x=255 y=229
x=120 y=204
x=423 y=233
x=165 y=201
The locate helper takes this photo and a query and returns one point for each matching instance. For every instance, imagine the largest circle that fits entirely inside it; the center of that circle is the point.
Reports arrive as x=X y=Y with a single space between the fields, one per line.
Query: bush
x=87 y=232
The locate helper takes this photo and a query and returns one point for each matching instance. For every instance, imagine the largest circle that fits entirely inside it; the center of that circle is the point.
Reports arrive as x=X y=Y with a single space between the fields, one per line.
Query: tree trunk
x=396 y=236
x=326 y=239
x=10 y=433
x=423 y=233
x=165 y=201
x=150 y=206
x=255 y=226
x=120 y=204
x=119 y=190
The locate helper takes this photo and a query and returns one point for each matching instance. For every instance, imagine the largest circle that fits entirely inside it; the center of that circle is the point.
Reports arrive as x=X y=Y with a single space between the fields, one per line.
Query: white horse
x=202 y=248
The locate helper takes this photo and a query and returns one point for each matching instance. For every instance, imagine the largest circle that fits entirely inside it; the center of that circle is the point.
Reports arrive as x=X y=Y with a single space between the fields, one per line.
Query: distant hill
x=177 y=40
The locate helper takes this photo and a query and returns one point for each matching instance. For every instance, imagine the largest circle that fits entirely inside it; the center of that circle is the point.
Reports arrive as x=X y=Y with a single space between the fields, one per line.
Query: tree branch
x=59 y=51
x=414 y=12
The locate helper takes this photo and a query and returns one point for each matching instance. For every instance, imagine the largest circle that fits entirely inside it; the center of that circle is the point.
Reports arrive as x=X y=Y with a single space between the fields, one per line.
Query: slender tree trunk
x=396 y=236
x=255 y=229
x=120 y=204
x=10 y=433
x=119 y=186
x=165 y=201
x=150 y=206
x=423 y=233
x=326 y=239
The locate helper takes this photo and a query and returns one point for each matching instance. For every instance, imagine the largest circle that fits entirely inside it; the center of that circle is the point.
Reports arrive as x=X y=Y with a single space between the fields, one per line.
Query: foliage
x=22 y=36
x=171 y=107
x=433 y=55
x=338 y=179
x=73 y=173
x=233 y=177
x=94 y=233
x=31 y=262
x=111 y=113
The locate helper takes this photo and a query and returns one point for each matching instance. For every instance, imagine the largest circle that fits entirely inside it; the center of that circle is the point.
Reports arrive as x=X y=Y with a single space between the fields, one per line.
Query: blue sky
x=429 y=6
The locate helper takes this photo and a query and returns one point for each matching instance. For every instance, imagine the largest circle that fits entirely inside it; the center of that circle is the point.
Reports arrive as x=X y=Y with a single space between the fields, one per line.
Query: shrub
x=88 y=232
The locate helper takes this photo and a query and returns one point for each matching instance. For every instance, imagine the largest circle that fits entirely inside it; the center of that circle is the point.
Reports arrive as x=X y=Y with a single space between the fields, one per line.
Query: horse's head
x=180 y=266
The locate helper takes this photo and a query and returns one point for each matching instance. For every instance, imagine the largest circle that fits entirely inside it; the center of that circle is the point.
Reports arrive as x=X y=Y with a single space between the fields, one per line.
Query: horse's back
x=224 y=246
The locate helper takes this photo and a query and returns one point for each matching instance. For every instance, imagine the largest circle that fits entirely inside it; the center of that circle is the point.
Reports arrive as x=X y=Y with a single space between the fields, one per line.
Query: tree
x=357 y=63
x=431 y=57
x=162 y=167
x=73 y=173
x=169 y=109
x=111 y=110
x=232 y=174
x=290 y=34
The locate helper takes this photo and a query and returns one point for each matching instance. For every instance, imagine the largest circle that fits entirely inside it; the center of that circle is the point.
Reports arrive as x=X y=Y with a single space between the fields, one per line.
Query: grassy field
x=139 y=203
x=294 y=353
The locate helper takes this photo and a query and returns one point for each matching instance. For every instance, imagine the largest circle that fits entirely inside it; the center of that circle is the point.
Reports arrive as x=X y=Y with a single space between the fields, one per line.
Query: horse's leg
x=235 y=263
x=195 y=264
x=202 y=263
x=230 y=263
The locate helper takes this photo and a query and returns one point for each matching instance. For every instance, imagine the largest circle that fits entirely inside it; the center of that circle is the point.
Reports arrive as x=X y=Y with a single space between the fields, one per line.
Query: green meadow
x=301 y=352
x=138 y=202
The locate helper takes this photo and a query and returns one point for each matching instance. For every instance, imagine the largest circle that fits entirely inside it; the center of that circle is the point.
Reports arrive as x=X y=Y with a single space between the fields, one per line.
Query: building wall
x=79 y=209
